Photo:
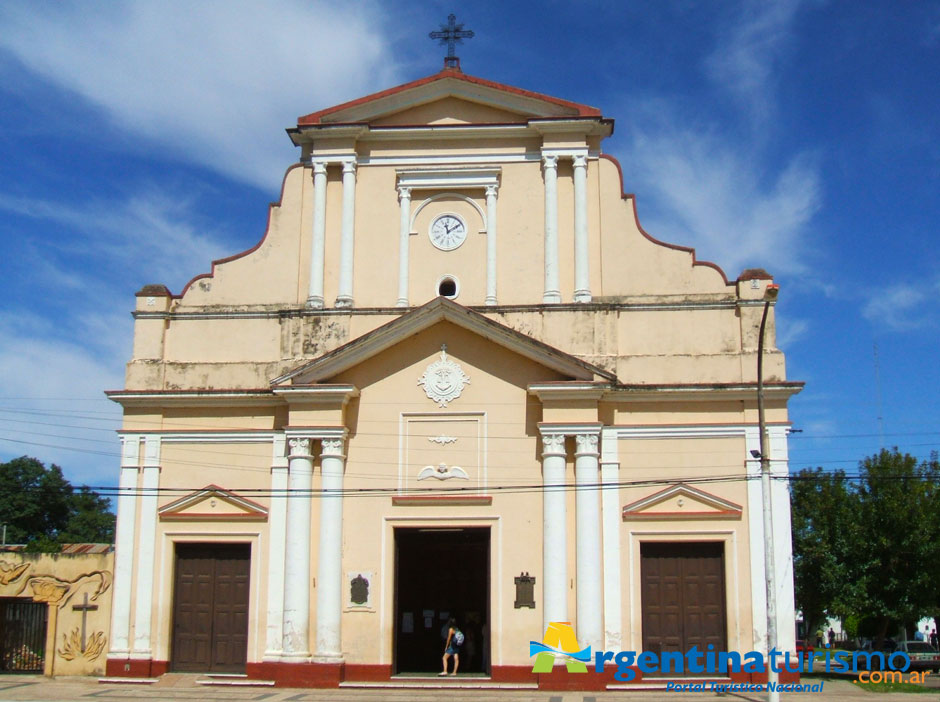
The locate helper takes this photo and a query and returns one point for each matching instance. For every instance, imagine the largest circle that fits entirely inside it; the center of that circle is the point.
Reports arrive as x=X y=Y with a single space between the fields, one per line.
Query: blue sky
x=139 y=140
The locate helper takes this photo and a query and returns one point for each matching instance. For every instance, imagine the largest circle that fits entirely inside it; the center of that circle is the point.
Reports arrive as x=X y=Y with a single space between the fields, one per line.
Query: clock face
x=447 y=232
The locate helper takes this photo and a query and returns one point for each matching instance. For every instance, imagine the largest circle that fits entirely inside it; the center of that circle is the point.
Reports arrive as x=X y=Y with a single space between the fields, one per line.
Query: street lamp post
x=772 y=694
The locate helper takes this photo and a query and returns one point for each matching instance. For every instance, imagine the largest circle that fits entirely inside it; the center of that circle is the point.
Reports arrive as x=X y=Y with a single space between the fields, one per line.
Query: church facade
x=455 y=378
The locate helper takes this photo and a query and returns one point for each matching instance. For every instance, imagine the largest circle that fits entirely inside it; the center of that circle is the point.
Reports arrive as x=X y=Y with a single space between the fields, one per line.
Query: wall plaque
x=525 y=591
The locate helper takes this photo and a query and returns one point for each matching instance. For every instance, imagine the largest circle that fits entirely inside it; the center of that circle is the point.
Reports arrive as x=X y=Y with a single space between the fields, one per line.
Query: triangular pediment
x=213 y=503
x=435 y=312
x=682 y=502
x=511 y=103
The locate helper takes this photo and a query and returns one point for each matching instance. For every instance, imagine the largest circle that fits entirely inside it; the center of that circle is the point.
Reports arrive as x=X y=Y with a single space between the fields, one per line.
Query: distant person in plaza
x=819 y=638
x=452 y=646
x=832 y=638
x=933 y=638
x=926 y=633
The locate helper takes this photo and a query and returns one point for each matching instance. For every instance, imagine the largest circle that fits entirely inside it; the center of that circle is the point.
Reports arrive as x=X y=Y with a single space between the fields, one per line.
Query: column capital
x=299 y=447
x=349 y=165
x=319 y=166
x=550 y=161
x=333 y=447
x=579 y=160
x=404 y=192
x=553 y=445
x=586 y=444
x=491 y=190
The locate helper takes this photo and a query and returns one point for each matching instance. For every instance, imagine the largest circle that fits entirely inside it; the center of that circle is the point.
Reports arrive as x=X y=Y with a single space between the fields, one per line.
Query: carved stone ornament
x=332 y=447
x=442 y=440
x=443 y=472
x=586 y=443
x=553 y=444
x=443 y=380
x=299 y=447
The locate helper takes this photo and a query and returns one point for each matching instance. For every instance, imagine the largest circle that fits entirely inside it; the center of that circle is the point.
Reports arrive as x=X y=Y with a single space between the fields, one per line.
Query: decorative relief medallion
x=443 y=380
x=443 y=472
x=442 y=440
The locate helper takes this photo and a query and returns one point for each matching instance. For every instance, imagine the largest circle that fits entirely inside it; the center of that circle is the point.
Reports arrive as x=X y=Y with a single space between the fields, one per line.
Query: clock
x=447 y=231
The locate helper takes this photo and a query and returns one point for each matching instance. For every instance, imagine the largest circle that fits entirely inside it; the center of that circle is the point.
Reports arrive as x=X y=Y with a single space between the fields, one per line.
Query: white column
x=611 y=517
x=588 y=524
x=552 y=292
x=330 y=564
x=783 y=544
x=146 y=545
x=582 y=280
x=277 y=533
x=404 y=234
x=554 y=531
x=315 y=298
x=297 y=552
x=755 y=527
x=491 y=244
x=124 y=546
x=345 y=296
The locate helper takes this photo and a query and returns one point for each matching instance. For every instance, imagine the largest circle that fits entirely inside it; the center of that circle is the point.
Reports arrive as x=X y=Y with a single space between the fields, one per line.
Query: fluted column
x=404 y=233
x=124 y=546
x=554 y=534
x=330 y=558
x=346 y=249
x=491 y=244
x=582 y=282
x=552 y=291
x=297 y=552
x=588 y=525
x=315 y=297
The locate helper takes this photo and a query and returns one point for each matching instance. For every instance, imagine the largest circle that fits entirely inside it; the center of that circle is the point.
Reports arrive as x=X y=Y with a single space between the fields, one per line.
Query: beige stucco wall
x=62 y=581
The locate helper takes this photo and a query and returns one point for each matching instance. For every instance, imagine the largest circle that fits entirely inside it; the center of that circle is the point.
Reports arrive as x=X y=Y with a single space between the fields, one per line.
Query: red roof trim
x=267 y=230
x=316 y=117
x=688 y=249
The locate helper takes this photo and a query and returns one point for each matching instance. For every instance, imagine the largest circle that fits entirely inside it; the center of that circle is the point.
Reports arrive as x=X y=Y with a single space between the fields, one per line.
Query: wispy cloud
x=213 y=82
x=709 y=191
x=748 y=49
x=904 y=306
x=151 y=234
x=790 y=331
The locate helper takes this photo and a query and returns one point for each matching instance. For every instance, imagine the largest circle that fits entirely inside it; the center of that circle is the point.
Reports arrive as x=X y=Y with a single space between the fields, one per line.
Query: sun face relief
x=447 y=231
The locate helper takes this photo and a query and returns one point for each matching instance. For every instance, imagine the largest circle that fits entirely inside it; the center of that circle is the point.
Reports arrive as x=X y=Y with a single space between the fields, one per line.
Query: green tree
x=868 y=547
x=823 y=530
x=897 y=556
x=41 y=509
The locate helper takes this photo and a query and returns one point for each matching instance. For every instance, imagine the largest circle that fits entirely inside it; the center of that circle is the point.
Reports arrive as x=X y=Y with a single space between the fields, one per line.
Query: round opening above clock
x=447 y=231
x=448 y=286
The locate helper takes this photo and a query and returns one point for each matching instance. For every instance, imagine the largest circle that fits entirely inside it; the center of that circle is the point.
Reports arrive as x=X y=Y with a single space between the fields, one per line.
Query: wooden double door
x=210 y=608
x=683 y=596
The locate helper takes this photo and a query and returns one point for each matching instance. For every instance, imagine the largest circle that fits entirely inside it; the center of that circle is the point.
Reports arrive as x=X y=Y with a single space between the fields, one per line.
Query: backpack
x=458 y=637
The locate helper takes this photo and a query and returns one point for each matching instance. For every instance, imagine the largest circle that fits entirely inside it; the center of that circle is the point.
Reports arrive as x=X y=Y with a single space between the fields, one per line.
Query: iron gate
x=22 y=636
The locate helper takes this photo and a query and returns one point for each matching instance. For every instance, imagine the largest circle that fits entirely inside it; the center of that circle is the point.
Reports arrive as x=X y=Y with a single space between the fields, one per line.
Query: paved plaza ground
x=20 y=688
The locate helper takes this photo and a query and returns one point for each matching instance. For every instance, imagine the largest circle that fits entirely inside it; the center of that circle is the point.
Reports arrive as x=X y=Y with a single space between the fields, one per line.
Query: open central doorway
x=441 y=573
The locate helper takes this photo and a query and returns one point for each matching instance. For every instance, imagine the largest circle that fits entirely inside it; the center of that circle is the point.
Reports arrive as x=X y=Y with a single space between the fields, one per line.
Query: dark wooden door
x=683 y=596
x=210 y=610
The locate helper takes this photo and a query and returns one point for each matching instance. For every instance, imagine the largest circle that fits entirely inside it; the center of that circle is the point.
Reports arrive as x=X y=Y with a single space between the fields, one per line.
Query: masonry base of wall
x=298 y=674
x=359 y=672
x=513 y=674
x=135 y=668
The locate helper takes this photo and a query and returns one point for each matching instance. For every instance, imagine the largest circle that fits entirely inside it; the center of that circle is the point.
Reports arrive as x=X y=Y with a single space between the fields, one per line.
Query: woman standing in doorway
x=452 y=646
